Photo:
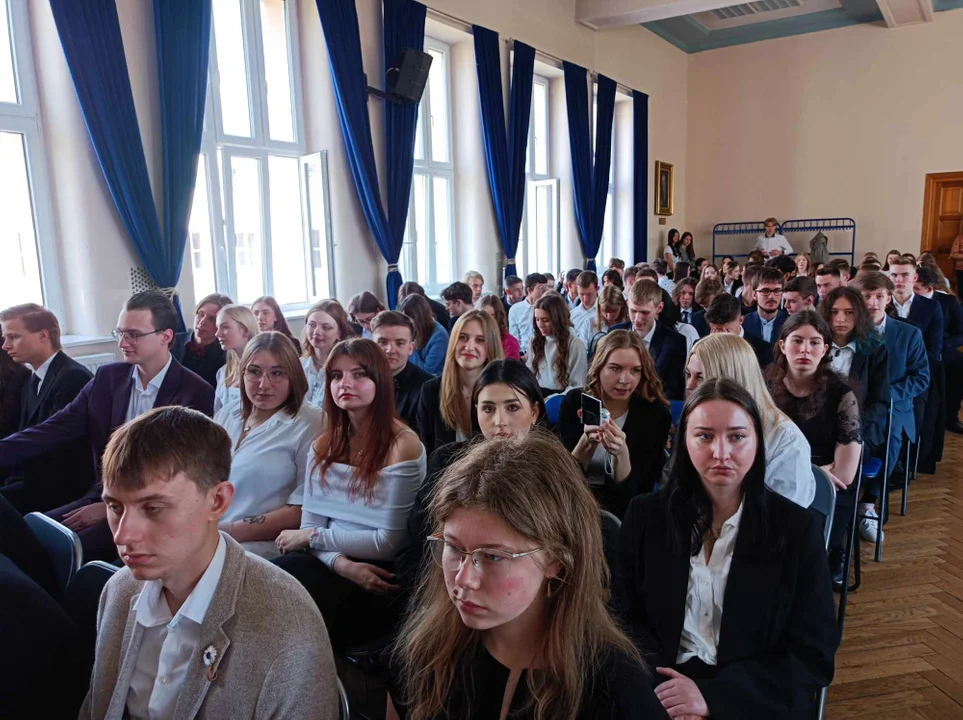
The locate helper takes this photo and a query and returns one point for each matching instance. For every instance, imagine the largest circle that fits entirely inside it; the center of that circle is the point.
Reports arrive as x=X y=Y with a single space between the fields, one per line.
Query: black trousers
x=20 y=545
x=352 y=615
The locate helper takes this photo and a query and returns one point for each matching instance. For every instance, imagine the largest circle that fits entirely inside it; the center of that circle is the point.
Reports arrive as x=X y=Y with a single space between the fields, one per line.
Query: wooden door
x=942 y=217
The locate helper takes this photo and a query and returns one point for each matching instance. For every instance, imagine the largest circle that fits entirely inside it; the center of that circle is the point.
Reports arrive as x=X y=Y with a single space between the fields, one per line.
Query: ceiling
x=699 y=25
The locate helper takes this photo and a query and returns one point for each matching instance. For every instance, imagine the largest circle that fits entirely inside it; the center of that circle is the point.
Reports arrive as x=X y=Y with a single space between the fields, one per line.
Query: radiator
x=92 y=362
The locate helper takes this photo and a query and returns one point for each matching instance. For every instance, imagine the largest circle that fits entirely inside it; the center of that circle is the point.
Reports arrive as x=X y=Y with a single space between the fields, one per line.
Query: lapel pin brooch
x=210 y=662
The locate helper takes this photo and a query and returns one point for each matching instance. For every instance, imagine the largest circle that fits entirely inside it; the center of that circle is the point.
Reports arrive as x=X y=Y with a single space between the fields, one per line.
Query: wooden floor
x=902 y=651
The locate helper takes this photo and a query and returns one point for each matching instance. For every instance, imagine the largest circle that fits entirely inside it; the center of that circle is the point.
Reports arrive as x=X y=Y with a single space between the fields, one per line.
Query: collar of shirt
x=901 y=307
x=41 y=372
x=279 y=418
x=733 y=522
x=195 y=347
x=881 y=328
x=929 y=295
x=152 y=609
x=155 y=382
x=764 y=322
x=648 y=338
x=851 y=345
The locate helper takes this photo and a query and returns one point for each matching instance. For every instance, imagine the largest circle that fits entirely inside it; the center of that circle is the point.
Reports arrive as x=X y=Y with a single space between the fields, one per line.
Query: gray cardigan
x=274 y=658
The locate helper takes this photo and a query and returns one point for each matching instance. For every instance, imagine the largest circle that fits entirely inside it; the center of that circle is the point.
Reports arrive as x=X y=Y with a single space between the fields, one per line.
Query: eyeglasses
x=255 y=374
x=131 y=336
x=766 y=292
x=489 y=562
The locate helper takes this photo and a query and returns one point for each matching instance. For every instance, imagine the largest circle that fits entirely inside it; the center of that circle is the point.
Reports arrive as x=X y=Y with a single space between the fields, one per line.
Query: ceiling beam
x=602 y=14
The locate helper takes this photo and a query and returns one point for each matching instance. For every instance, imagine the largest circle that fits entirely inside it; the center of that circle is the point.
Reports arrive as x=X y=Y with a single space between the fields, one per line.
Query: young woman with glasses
x=271 y=432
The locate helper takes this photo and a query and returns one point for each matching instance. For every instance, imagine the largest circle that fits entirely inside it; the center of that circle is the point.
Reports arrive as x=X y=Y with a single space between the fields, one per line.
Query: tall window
x=427 y=256
x=609 y=244
x=26 y=238
x=258 y=225
x=538 y=246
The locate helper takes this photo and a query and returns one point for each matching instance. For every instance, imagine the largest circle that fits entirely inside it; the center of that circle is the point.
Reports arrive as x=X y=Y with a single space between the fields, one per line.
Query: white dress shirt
x=581 y=311
x=577 y=364
x=789 y=469
x=168 y=642
x=648 y=336
x=41 y=372
x=520 y=323
x=690 y=334
x=686 y=315
x=224 y=396
x=881 y=328
x=766 y=326
x=707 y=591
x=666 y=284
x=316 y=382
x=776 y=242
x=269 y=468
x=586 y=327
x=842 y=358
x=142 y=400
x=904 y=310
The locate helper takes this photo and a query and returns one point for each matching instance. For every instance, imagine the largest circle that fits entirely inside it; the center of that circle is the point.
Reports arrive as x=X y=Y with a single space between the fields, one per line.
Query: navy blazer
x=668 y=349
x=909 y=372
x=753 y=325
x=952 y=320
x=100 y=408
x=870 y=373
x=700 y=323
x=927 y=315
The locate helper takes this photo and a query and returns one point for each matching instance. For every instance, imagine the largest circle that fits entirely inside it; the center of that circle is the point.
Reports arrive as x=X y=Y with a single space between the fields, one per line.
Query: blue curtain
x=182 y=29
x=640 y=180
x=505 y=155
x=90 y=35
x=590 y=180
x=404 y=28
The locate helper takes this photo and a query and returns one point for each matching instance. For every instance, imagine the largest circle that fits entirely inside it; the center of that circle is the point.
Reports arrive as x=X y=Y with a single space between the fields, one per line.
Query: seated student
x=193 y=626
x=768 y=318
x=698 y=265
x=325 y=325
x=732 y=278
x=585 y=313
x=196 y=349
x=745 y=293
x=773 y=242
x=723 y=317
x=801 y=293
x=821 y=403
x=549 y=281
x=784 y=264
x=271 y=432
x=890 y=257
x=431 y=339
x=682 y=271
x=929 y=285
x=613 y=277
x=665 y=345
x=788 y=455
x=437 y=309
x=514 y=292
x=444 y=412
x=556 y=355
x=493 y=306
x=709 y=272
x=13 y=378
x=116 y=395
x=521 y=313
x=569 y=289
x=673 y=250
x=458 y=301
x=613 y=313
x=394 y=333
x=236 y=325
x=476 y=281
x=706 y=291
x=364 y=472
x=362 y=308
x=511 y=618
x=31 y=335
x=661 y=268
x=723 y=582
x=631 y=274
x=625 y=455
x=804 y=266
x=270 y=318
x=827 y=280
x=683 y=297
x=909 y=379
x=507 y=403
x=618 y=265
x=845 y=271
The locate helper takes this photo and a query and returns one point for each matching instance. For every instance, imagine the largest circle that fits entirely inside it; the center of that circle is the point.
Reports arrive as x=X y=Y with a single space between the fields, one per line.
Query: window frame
x=533 y=180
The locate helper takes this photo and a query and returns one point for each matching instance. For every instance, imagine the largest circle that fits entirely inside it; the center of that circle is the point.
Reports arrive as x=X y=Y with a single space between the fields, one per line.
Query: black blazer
x=668 y=349
x=870 y=373
x=205 y=364
x=432 y=428
x=927 y=315
x=700 y=323
x=952 y=320
x=670 y=314
x=779 y=633
x=408 y=384
x=646 y=431
x=62 y=475
x=761 y=348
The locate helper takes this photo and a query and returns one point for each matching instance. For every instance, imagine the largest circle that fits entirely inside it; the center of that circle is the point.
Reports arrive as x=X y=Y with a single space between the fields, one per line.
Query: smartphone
x=591 y=410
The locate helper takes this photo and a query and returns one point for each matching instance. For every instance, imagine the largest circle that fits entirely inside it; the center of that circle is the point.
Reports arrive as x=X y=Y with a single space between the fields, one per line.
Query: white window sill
x=71 y=341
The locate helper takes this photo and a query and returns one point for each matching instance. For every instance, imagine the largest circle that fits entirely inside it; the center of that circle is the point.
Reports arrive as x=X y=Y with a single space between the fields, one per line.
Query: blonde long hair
x=537 y=489
x=455 y=411
x=243 y=316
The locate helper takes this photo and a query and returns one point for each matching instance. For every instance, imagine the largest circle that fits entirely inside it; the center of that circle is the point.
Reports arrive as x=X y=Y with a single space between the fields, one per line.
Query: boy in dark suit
x=665 y=345
x=766 y=322
x=724 y=316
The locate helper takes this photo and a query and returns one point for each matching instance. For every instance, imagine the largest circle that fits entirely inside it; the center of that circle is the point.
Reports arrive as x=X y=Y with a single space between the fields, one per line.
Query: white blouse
x=224 y=396
x=316 y=382
x=577 y=364
x=268 y=469
x=789 y=469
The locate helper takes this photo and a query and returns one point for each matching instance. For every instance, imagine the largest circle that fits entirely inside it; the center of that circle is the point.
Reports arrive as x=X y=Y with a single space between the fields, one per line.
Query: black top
x=835 y=420
x=432 y=428
x=618 y=690
x=13 y=383
x=668 y=349
x=778 y=634
x=408 y=384
x=761 y=348
x=869 y=374
x=204 y=361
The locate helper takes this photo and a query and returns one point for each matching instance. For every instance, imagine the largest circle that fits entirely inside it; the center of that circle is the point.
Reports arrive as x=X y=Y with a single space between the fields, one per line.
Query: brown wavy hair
x=417 y=309
x=649 y=387
x=280 y=324
x=611 y=296
x=538 y=490
x=557 y=310
x=779 y=369
x=455 y=411
x=336 y=311
x=334 y=445
x=495 y=303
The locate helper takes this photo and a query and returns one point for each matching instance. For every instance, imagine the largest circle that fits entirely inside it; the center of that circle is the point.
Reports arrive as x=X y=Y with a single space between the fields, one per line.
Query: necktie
x=35 y=385
x=685 y=316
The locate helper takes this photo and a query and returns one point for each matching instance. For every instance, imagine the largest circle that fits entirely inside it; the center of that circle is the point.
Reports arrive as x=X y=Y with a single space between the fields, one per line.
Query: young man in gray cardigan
x=194 y=627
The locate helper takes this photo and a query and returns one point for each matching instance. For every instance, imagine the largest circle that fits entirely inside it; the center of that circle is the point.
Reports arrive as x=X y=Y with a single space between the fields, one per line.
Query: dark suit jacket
x=761 y=348
x=10 y=393
x=439 y=311
x=668 y=349
x=432 y=428
x=870 y=373
x=100 y=408
x=700 y=323
x=927 y=315
x=207 y=364
x=670 y=311
x=779 y=633
x=646 y=431
x=909 y=373
x=408 y=384
x=64 y=475
x=753 y=325
x=952 y=320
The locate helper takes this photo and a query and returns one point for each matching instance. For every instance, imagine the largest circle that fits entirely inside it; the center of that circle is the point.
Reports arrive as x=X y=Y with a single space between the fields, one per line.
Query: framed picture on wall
x=664 y=188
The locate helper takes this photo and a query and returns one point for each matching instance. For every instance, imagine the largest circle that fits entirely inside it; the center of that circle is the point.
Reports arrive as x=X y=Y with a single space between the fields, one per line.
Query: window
x=607 y=248
x=427 y=256
x=539 y=241
x=26 y=235
x=259 y=223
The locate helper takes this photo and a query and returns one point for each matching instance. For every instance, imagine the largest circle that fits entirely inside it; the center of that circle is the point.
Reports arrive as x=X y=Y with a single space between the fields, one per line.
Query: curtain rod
x=449 y=20
x=556 y=62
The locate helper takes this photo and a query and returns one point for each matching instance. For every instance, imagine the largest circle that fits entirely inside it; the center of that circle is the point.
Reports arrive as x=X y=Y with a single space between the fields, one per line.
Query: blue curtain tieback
x=393 y=267
x=509 y=261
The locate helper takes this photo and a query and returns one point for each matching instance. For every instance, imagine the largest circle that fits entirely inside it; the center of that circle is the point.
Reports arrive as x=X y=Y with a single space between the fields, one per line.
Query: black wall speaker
x=408 y=82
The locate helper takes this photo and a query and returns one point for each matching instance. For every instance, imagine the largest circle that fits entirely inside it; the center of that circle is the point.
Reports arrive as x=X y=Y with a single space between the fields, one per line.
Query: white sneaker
x=869 y=524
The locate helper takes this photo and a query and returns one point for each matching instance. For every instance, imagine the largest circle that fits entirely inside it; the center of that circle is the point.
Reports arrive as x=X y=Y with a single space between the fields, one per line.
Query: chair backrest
x=82 y=597
x=343 y=701
x=611 y=526
x=825 y=501
x=553 y=406
x=61 y=543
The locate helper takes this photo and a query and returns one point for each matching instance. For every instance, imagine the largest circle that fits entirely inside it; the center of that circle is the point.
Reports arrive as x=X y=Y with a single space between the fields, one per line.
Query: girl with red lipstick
x=510 y=618
x=625 y=456
x=822 y=404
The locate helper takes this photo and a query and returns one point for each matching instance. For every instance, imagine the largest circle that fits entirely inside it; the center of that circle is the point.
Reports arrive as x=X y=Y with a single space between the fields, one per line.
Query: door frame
x=931 y=196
